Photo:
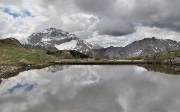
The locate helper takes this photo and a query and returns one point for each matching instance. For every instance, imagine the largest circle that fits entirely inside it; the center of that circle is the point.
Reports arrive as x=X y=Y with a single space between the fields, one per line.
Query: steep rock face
x=137 y=48
x=57 y=39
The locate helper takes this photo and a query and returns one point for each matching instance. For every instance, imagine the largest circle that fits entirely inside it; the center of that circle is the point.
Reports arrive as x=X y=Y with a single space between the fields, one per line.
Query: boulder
x=177 y=60
x=23 y=63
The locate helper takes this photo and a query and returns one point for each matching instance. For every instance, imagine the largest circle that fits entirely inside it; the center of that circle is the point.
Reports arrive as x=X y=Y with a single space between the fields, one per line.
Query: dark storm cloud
x=161 y=13
x=95 y=6
x=11 y=2
x=118 y=16
x=114 y=27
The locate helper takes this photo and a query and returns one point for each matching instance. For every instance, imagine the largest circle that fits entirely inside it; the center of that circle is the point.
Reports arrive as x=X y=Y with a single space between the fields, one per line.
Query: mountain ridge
x=137 y=48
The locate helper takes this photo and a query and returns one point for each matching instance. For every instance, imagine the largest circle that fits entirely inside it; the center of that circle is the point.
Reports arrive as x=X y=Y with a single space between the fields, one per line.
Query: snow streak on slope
x=67 y=45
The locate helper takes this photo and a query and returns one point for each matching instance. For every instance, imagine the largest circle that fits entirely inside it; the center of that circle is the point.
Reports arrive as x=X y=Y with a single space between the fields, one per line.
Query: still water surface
x=80 y=88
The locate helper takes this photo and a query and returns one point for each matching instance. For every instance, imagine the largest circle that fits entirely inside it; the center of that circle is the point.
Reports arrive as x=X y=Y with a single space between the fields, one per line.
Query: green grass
x=131 y=58
x=161 y=56
x=12 y=54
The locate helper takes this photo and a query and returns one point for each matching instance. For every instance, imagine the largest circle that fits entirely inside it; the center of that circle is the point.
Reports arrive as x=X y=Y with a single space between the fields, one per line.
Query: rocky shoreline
x=7 y=71
x=175 y=61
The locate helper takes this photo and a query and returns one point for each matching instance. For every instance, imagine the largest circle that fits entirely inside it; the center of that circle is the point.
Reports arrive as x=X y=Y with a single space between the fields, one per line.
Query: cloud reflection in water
x=90 y=89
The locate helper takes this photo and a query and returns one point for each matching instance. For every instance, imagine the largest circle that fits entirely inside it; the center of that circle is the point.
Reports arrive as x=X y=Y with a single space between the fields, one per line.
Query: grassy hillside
x=161 y=56
x=12 y=53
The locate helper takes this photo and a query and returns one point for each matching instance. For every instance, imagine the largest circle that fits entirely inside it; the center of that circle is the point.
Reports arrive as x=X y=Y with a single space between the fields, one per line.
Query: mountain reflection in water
x=84 y=88
x=168 y=69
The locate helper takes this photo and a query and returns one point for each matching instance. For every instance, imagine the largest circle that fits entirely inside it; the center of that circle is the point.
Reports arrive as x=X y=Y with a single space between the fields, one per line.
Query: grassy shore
x=12 y=56
x=12 y=53
x=158 y=57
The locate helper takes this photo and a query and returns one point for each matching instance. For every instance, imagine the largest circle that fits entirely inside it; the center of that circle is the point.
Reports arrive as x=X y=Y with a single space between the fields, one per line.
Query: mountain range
x=56 y=39
x=137 y=48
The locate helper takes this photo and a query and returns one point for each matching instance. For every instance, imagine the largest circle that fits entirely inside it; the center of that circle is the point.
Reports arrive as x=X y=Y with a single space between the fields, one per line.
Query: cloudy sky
x=105 y=22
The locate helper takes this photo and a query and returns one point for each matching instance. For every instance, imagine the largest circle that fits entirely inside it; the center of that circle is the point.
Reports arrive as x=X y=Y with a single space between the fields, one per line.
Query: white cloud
x=20 y=27
x=149 y=32
x=107 y=40
x=71 y=23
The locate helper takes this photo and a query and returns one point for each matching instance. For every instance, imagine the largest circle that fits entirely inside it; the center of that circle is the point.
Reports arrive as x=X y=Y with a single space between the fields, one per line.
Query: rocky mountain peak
x=59 y=39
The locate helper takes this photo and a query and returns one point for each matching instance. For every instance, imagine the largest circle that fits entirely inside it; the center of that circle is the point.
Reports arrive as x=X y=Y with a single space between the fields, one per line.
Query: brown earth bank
x=104 y=62
x=7 y=71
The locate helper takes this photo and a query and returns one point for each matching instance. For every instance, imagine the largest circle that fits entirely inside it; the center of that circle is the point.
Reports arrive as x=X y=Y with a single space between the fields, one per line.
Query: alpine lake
x=93 y=88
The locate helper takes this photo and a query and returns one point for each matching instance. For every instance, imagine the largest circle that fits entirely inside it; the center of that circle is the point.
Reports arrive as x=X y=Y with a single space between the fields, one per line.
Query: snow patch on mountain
x=138 y=53
x=67 y=45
